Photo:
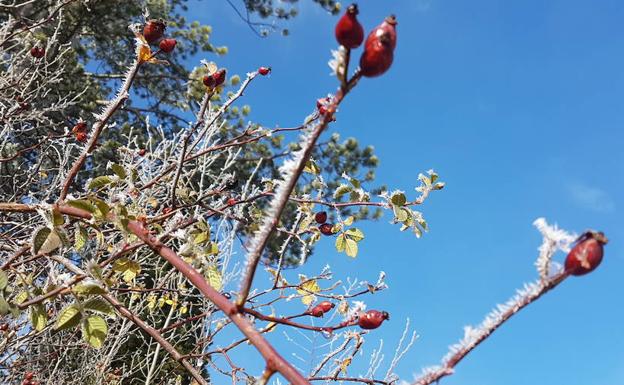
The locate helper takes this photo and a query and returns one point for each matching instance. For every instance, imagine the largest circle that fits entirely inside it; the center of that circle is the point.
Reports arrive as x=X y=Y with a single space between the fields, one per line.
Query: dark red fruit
x=37 y=52
x=379 y=49
x=29 y=376
x=142 y=152
x=372 y=319
x=320 y=309
x=209 y=81
x=81 y=137
x=326 y=229
x=154 y=30
x=320 y=217
x=587 y=254
x=219 y=77
x=264 y=71
x=4 y=327
x=349 y=31
x=231 y=202
x=167 y=45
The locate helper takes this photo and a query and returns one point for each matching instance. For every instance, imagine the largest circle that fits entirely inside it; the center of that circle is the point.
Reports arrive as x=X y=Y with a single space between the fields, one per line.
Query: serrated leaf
x=341 y=190
x=348 y=221
x=99 y=181
x=102 y=208
x=355 y=234
x=81 y=236
x=351 y=247
x=21 y=297
x=214 y=277
x=4 y=280
x=398 y=199
x=39 y=239
x=307 y=288
x=57 y=218
x=99 y=305
x=94 y=330
x=52 y=242
x=88 y=289
x=38 y=317
x=68 y=318
x=128 y=268
x=340 y=243
x=82 y=204
x=402 y=214
x=119 y=170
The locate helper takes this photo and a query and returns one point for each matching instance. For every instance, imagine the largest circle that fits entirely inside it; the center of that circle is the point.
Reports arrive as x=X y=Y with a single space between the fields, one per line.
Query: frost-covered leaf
x=307 y=288
x=398 y=199
x=348 y=221
x=128 y=268
x=68 y=318
x=119 y=170
x=311 y=167
x=99 y=181
x=355 y=234
x=340 y=243
x=94 y=330
x=20 y=298
x=82 y=204
x=81 y=236
x=351 y=247
x=39 y=237
x=57 y=218
x=4 y=305
x=342 y=190
x=88 y=289
x=4 y=280
x=214 y=277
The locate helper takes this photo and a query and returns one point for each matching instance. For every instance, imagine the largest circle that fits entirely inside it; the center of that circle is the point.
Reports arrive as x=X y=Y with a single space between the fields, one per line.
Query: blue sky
x=518 y=105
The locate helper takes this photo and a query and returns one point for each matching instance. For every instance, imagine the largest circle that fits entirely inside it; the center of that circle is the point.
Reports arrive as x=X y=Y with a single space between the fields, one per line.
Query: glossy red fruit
x=81 y=137
x=322 y=308
x=320 y=217
x=209 y=81
x=219 y=77
x=29 y=376
x=326 y=229
x=37 y=52
x=4 y=327
x=264 y=71
x=167 y=45
x=349 y=31
x=154 y=30
x=372 y=319
x=231 y=202
x=142 y=152
x=379 y=49
x=587 y=254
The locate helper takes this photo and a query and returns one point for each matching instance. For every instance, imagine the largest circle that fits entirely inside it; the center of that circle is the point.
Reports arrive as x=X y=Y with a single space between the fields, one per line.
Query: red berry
x=379 y=49
x=154 y=30
x=167 y=45
x=4 y=327
x=372 y=319
x=587 y=254
x=349 y=31
x=219 y=77
x=37 y=52
x=320 y=217
x=142 y=152
x=79 y=127
x=231 y=202
x=209 y=81
x=326 y=229
x=81 y=137
x=264 y=71
x=29 y=376
x=320 y=309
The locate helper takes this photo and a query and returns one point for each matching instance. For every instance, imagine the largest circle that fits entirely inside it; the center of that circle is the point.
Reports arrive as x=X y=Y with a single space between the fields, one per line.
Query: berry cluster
x=80 y=132
x=324 y=228
x=153 y=32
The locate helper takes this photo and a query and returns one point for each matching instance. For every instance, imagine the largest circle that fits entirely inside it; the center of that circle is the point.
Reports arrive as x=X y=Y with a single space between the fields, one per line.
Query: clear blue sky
x=519 y=105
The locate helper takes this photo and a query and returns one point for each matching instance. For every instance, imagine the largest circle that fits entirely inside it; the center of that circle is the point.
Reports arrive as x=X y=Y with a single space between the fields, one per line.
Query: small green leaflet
x=68 y=318
x=94 y=330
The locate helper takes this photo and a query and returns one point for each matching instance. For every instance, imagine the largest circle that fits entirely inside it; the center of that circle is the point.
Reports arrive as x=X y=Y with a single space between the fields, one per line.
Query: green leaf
x=401 y=213
x=99 y=305
x=21 y=297
x=94 y=330
x=355 y=234
x=102 y=208
x=341 y=190
x=4 y=306
x=119 y=170
x=88 y=289
x=355 y=183
x=311 y=167
x=340 y=243
x=348 y=221
x=128 y=268
x=398 y=199
x=351 y=247
x=214 y=277
x=4 y=280
x=39 y=239
x=201 y=238
x=68 y=318
x=82 y=204
x=57 y=218
x=99 y=181
x=38 y=317
x=81 y=236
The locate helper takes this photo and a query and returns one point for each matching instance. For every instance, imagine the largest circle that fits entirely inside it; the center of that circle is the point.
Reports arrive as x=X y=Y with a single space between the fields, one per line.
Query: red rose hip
x=326 y=229
x=587 y=254
x=320 y=309
x=37 y=52
x=154 y=30
x=320 y=217
x=264 y=71
x=379 y=49
x=372 y=319
x=167 y=45
x=349 y=31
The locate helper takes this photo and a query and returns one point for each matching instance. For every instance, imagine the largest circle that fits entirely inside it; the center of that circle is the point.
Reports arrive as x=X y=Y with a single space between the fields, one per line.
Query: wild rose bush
x=132 y=275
